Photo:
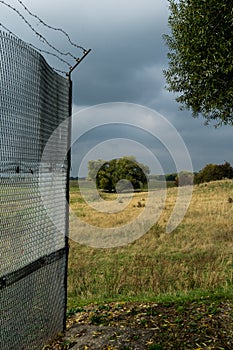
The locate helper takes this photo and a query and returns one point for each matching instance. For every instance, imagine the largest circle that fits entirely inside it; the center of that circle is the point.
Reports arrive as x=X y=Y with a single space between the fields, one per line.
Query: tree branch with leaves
x=200 y=57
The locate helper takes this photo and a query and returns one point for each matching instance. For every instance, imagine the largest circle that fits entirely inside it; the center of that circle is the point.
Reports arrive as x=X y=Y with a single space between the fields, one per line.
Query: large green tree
x=116 y=174
x=200 y=57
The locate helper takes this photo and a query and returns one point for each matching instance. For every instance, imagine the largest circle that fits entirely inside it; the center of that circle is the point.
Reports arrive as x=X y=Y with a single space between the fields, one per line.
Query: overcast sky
x=125 y=65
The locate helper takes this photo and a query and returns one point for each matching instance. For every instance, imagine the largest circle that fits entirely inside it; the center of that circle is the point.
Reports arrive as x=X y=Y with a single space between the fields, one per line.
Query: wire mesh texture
x=34 y=104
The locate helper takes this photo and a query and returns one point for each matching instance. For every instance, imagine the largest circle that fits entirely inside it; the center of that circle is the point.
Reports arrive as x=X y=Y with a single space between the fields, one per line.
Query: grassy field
x=193 y=261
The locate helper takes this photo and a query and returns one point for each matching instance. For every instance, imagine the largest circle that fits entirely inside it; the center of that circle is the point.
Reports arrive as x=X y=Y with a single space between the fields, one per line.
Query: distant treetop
x=118 y=174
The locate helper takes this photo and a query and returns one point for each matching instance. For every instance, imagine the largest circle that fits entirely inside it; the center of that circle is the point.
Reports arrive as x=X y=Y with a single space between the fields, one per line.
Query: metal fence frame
x=34 y=100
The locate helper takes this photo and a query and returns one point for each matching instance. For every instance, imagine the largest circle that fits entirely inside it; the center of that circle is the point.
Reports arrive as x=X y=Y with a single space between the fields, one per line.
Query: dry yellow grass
x=197 y=255
x=110 y=210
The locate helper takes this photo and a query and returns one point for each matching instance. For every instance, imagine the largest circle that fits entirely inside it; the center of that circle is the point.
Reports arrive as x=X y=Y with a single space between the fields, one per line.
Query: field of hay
x=195 y=258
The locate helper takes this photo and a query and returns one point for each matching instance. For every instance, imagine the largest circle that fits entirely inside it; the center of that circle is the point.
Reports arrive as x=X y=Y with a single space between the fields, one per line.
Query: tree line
x=211 y=172
x=126 y=173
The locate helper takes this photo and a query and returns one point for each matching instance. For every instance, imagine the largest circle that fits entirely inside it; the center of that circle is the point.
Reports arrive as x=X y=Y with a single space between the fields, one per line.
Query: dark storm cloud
x=124 y=40
x=126 y=61
x=126 y=64
x=123 y=56
x=120 y=140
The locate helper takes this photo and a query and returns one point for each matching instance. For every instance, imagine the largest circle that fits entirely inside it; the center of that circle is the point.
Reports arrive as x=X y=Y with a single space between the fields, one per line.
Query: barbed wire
x=41 y=37
x=38 y=49
x=50 y=27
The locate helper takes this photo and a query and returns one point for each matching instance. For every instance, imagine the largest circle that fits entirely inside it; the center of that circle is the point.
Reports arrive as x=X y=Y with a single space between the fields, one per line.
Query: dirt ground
x=141 y=326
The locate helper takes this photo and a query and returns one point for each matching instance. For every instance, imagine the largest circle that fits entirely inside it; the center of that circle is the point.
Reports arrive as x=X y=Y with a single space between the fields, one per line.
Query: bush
x=184 y=178
x=214 y=172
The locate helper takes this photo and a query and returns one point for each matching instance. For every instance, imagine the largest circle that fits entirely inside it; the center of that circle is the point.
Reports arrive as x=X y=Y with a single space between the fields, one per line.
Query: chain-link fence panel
x=34 y=101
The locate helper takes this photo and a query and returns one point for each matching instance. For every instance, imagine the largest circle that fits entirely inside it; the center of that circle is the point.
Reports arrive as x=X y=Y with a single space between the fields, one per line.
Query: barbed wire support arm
x=79 y=60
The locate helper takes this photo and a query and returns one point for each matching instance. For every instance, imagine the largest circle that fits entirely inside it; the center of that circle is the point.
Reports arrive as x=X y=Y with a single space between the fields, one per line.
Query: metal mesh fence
x=34 y=101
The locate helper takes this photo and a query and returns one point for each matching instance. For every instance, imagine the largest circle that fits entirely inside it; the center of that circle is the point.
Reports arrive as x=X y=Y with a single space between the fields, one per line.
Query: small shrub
x=97 y=320
x=155 y=347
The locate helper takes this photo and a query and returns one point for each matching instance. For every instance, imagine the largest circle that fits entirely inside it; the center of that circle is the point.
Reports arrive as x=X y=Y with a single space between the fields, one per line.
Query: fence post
x=67 y=199
x=68 y=178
